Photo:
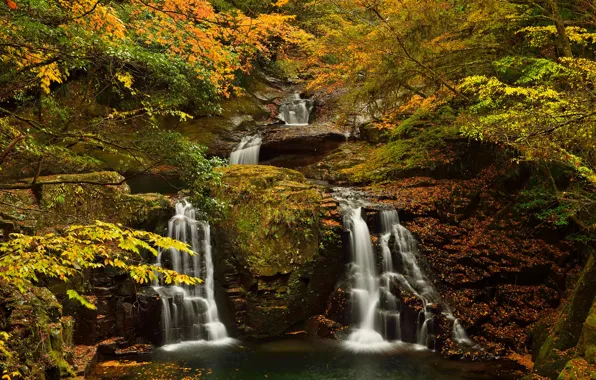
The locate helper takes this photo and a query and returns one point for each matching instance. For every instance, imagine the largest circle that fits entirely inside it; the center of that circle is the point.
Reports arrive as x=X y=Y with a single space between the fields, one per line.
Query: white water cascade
x=378 y=312
x=247 y=152
x=365 y=282
x=296 y=111
x=189 y=311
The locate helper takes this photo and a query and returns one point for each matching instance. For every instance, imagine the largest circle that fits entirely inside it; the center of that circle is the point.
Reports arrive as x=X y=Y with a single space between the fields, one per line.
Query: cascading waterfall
x=296 y=111
x=377 y=311
x=247 y=152
x=189 y=311
x=365 y=283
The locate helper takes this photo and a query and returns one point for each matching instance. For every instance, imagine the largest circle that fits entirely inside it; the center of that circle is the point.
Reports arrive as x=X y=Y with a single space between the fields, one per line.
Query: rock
x=85 y=358
x=299 y=146
x=374 y=134
x=322 y=327
x=80 y=203
x=280 y=241
x=577 y=369
x=39 y=352
x=575 y=321
x=339 y=305
x=148 y=323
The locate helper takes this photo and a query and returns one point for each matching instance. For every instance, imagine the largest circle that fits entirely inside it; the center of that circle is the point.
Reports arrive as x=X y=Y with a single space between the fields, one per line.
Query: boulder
x=280 y=241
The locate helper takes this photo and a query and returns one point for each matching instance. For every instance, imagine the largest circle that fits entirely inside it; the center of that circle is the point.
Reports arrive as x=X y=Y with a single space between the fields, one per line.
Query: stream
x=389 y=337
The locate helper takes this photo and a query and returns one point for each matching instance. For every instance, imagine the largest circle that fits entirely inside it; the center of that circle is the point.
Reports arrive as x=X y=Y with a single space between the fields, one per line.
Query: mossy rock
x=279 y=234
x=79 y=199
x=587 y=343
x=38 y=337
x=272 y=218
x=575 y=321
x=578 y=369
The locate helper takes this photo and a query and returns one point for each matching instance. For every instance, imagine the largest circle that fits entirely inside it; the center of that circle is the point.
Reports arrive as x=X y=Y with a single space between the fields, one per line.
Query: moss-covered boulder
x=586 y=346
x=280 y=238
x=578 y=359
x=578 y=369
x=39 y=343
x=559 y=344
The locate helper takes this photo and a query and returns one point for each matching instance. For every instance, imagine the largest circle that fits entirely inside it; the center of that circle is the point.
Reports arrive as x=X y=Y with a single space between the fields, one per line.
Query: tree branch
x=11 y=146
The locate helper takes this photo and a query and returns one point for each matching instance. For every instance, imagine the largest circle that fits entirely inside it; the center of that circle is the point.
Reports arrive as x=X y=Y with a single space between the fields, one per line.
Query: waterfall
x=365 y=284
x=377 y=309
x=189 y=311
x=247 y=152
x=296 y=111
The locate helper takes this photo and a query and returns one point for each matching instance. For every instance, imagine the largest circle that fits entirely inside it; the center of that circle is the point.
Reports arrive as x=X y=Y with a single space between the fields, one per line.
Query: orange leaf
x=11 y=4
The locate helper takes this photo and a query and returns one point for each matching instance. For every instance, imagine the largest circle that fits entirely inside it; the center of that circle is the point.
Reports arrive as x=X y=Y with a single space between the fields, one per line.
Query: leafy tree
x=25 y=260
x=86 y=80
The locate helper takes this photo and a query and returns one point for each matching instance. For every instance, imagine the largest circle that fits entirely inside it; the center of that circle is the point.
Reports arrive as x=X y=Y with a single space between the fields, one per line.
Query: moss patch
x=562 y=342
x=411 y=150
x=272 y=217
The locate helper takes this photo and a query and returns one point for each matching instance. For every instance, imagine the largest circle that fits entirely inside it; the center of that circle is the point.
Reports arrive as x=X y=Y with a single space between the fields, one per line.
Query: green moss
x=577 y=369
x=271 y=217
x=575 y=321
x=412 y=148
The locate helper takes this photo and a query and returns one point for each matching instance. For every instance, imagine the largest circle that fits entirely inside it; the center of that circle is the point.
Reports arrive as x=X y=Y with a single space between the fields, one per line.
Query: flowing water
x=296 y=359
x=247 y=152
x=296 y=111
x=378 y=312
x=189 y=312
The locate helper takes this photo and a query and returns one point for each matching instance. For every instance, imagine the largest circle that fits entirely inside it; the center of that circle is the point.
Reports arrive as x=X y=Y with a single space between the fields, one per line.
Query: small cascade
x=247 y=152
x=296 y=111
x=378 y=289
x=189 y=311
x=459 y=334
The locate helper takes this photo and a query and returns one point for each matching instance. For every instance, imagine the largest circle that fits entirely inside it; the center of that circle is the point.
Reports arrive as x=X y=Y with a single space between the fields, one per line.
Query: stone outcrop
x=298 y=146
x=78 y=199
x=280 y=242
x=40 y=340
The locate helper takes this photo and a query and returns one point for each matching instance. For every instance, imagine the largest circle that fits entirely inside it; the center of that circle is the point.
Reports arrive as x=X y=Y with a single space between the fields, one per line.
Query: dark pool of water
x=294 y=359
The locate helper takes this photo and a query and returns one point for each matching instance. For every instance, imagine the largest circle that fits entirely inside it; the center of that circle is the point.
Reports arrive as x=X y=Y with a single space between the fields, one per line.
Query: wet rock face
x=298 y=146
x=114 y=295
x=280 y=244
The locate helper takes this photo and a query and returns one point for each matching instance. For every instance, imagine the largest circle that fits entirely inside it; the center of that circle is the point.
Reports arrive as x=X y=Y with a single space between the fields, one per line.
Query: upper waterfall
x=247 y=151
x=296 y=111
x=189 y=311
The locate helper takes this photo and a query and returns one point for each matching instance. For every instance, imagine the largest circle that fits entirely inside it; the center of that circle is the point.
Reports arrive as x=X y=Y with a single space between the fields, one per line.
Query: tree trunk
x=564 y=44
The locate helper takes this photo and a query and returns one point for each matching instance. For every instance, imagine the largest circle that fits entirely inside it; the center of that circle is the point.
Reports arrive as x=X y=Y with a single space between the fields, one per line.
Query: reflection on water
x=293 y=359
